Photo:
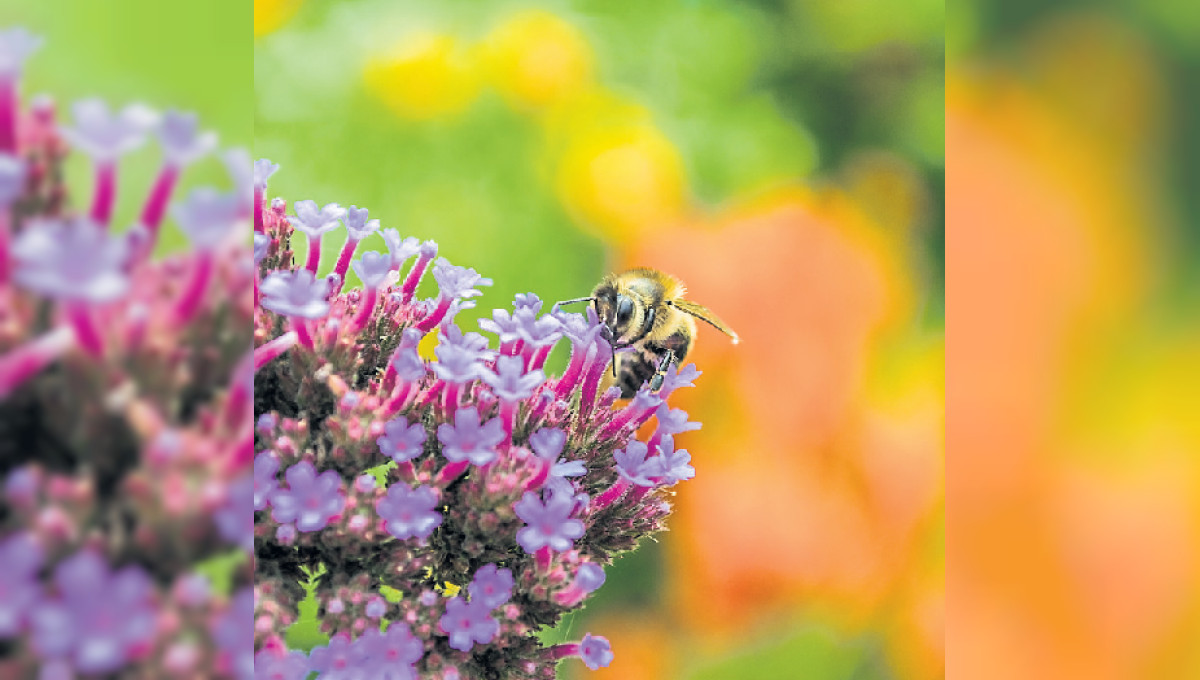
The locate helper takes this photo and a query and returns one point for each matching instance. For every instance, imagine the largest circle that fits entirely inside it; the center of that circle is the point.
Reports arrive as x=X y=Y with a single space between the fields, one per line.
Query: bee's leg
x=660 y=373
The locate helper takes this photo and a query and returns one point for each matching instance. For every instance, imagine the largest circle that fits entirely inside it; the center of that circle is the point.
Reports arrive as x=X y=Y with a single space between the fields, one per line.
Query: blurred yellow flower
x=424 y=76
x=271 y=14
x=622 y=180
x=535 y=58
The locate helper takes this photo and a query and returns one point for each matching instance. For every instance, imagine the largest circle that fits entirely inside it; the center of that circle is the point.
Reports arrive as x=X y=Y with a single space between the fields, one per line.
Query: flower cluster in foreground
x=126 y=433
x=453 y=507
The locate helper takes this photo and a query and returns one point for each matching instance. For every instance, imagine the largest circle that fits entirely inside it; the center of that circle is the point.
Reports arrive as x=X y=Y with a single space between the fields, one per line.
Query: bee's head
x=618 y=312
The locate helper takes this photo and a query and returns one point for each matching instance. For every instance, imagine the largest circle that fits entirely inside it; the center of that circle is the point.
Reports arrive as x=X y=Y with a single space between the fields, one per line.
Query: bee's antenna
x=614 y=360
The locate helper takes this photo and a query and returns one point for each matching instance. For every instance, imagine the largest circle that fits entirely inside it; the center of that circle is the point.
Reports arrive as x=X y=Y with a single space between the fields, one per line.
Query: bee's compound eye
x=624 y=309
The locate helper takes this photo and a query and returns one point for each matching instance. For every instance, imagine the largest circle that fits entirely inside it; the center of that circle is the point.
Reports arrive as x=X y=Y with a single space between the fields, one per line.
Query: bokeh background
x=785 y=159
x=1074 y=357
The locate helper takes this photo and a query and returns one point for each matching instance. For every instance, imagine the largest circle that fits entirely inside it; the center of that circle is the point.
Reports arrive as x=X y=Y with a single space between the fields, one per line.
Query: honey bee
x=645 y=309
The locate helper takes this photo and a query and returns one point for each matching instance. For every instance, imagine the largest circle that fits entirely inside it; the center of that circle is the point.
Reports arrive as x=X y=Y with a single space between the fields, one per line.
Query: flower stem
x=259 y=225
x=189 y=302
x=343 y=261
x=80 y=317
x=267 y=352
x=300 y=325
x=106 y=192
x=314 y=254
x=435 y=317
x=414 y=277
x=156 y=203
x=9 y=103
x=610 y=495
x=452 y=471
x=364 y=310
x=24 y=362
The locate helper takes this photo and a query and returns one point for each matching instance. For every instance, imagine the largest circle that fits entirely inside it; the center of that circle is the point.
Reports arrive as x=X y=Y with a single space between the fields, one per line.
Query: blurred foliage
x=786 y=159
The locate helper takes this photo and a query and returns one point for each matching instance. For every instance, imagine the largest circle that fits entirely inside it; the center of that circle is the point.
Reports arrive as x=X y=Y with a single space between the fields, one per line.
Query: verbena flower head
x=137 y=367
x=478 y=473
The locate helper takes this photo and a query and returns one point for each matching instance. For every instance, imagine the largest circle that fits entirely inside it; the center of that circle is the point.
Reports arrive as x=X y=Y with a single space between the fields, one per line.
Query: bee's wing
x=701 y=312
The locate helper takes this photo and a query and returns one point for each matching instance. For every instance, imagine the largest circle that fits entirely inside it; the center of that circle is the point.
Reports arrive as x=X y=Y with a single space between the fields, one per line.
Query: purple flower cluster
x=488 y=494
x=125 y=396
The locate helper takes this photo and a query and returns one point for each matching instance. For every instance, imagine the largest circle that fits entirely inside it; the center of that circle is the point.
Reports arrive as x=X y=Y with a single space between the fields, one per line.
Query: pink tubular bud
x=270 y=350
x=106 y=192
x=22 y=363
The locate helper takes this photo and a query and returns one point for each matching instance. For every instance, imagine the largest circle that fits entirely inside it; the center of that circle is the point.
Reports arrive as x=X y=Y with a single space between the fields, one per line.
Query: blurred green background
x=786 y=159
x=187 y=56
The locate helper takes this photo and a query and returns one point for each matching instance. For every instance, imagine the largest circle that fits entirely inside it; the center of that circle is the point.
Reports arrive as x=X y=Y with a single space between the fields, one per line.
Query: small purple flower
x=285 y=534
x=105 y=136
x=672 y=421
x=460 y=355
x=400 y=249
x=74 y=260
x=595 y=651
x=376 y=607
x=95 y=634
x=295 y=293
x=181 y=142
x=21 y=487
x=558 y=487
x=21 y=555
x=491 y=586
x=337 y=659
x=16 y=44
x=358 y=225
x=395 y=651
x=538 y=331
x=510 y=382
x=207 y=216
x=263 y=169
x=315 y=222
x=261 y=243
x=372 y=268
x=235 y=519
x=266 y=466
x=280 y=665
x=233 y=633
x=12 y=178
x=400 y=441
x=468 y=624
x=502 y=324
x=582 y=330
x=527 y=301
x=466 y=439
x=589 y=577
x=409 y=512
x=674 y=380
x=309 y=501
x=548 y=442
x=455 y=282
x=631 y=463
x=365 y=483
x=547 y=524
x=670 y=466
